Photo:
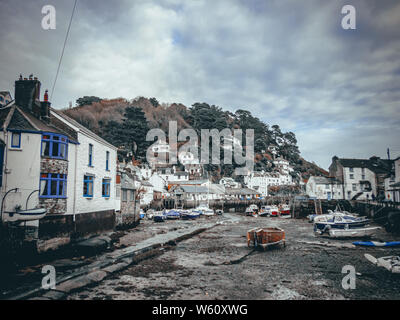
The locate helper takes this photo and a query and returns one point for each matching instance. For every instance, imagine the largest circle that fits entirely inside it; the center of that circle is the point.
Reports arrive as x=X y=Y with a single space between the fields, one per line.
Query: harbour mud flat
x=217 y=264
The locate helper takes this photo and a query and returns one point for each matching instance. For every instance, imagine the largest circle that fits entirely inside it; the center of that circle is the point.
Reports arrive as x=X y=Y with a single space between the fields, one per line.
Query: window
x=107 y=160
x=16 y=140
x=354 y=187
x=53 y=185
x=327 y=186
x=351 y=169
x=88 y=186
x=124 y=195
x=363 y=176
x=132 y=195
x=106 y=188
x=54 y=146
x=90 y=155
x=351 y=176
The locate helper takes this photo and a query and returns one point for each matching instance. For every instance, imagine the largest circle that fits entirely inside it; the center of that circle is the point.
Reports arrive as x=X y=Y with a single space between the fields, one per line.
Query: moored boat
x=173 y=214
x=274 y=211
x=189 y=214
x=265 y=211
x=251 y=210
x=159 y=216
x=325 y=222
x=284 y=210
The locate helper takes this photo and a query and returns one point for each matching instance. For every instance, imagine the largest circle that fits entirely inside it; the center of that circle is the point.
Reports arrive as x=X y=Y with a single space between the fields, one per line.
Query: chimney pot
x=46 y=96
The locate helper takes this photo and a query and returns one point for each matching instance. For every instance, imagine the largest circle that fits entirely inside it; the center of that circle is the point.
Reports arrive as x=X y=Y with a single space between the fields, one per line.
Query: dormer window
x=54 y=146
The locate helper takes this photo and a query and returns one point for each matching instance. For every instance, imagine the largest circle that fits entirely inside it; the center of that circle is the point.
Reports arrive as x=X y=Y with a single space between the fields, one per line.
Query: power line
x=62 y=52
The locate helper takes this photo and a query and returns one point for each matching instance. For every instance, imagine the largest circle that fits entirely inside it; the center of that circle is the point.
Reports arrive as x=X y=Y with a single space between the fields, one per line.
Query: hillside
x=125 y=124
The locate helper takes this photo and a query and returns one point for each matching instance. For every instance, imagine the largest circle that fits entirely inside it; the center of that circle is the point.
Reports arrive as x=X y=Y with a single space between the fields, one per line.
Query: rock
x=54 y=295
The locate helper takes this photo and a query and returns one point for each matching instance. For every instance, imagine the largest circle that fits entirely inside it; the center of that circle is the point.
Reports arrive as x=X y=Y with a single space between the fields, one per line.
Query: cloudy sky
x=289 y=62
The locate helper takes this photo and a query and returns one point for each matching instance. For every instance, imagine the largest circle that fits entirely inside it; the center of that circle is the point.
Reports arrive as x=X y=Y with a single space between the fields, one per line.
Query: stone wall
x=54 y=205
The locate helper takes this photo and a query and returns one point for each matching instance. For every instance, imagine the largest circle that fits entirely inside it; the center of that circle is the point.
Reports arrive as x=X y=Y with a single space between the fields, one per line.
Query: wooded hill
x=125 y=124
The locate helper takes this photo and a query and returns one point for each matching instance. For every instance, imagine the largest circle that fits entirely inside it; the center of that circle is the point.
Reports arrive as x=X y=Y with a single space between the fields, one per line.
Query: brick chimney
x=27 y=93
x=27 y=97
x=45 y=108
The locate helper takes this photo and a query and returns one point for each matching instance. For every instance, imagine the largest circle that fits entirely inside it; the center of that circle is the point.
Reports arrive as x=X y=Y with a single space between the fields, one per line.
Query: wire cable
x=62 y=52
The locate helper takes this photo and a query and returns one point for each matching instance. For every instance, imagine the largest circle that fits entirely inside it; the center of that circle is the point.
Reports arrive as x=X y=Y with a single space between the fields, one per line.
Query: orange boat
x=265 y=237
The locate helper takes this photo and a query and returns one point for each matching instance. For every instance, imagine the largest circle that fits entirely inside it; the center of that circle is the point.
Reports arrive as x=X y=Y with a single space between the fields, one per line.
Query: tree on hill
x=154 y=102
x=131 y=134
x=87 y=100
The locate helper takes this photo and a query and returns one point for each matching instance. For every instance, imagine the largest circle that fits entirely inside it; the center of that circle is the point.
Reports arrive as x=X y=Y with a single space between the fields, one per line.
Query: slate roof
x=14 y=118
x=376 y=165
x=240 y=191
x=325 y=180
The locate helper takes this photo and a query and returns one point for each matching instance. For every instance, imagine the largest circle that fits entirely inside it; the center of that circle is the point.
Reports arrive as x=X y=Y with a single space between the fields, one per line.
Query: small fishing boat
x=189 y=214
x=284 y=210
x=173 y=214
x=274 y=211
x=205 y=210
x=26 y=215
x=150 y=214
x=325 y=222
x=390 y=263
x=159 y=216
x=265 y=211
x=251 y=210
x=265 y=237
x=142 y=214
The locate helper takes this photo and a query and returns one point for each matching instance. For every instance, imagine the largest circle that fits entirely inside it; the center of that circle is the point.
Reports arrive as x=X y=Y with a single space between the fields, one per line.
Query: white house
x=392 y=183
x=361 y=178
x=324 y=188
x=228 y=182
x=54 y=162
x=146 y=193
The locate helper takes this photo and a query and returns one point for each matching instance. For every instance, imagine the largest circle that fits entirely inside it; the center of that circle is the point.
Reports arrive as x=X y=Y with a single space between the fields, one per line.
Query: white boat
x=150 y=214
x=352 y=233
x=390 y=263
x=265 y=211
x=26 y=215
x=251 y=210
x=284 y=210
x=204 y=210
x=274 y=211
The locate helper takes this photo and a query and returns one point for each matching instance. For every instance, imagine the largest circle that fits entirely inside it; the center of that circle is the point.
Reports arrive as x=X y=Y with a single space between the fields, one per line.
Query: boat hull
x=27 y=215
x=352 y=233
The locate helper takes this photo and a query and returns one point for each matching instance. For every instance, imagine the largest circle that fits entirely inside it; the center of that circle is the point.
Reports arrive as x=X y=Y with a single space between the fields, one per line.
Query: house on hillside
x=361 y=178
x=327 y=188
x=54 y=162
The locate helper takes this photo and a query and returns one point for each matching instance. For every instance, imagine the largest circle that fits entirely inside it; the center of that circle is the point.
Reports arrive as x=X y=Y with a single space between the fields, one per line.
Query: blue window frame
x=54 y=146
x=88 y=186
x=53 y=185
x=90 y=155
x=106 y=188
x=16 y=140
x=107 y=160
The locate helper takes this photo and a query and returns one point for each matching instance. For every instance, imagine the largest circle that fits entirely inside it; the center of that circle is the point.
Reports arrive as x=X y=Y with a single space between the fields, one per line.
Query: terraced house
x=49 y=160
x=361 y=178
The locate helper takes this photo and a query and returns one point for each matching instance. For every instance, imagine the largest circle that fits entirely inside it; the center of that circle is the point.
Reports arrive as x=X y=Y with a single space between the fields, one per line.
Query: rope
x=62 y=52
